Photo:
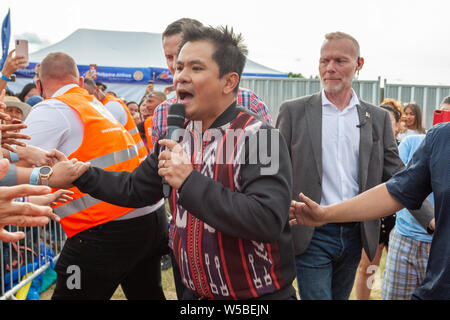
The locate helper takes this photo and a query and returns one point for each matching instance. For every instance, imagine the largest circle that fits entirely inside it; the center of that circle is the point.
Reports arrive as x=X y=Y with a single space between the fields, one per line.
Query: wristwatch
x=45 y=173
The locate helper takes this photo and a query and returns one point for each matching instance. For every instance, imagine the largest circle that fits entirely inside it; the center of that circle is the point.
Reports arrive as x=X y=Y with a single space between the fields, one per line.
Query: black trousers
x=96 y=261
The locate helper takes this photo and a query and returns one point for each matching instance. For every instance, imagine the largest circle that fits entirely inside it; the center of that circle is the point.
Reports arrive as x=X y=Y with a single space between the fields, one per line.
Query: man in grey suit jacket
x=339 y=147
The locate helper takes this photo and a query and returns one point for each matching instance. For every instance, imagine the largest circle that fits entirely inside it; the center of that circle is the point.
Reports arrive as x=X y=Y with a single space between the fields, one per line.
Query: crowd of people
x=348 y=181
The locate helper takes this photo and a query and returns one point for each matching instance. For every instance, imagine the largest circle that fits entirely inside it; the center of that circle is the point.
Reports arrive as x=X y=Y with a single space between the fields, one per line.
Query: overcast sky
x=405 y=41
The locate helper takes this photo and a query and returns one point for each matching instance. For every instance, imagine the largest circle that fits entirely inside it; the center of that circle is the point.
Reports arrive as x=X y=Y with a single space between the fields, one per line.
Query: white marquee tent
x=125 y=60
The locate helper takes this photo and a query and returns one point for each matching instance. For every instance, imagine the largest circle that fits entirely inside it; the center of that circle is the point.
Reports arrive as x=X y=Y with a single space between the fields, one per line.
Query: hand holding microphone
x=174 y=165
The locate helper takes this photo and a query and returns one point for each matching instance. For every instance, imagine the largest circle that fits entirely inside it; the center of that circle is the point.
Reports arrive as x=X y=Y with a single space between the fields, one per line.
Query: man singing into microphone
x=230 y=177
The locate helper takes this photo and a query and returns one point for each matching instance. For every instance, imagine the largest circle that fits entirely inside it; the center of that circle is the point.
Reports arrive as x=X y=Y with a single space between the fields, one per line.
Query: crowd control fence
x=273 y=91
x=428 y=98
x=26 y=266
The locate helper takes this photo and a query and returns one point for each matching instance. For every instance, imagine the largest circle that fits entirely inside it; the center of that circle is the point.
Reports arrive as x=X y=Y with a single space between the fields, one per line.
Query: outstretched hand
x=307 y=212
x=12 y=64
x=56 y=156
x=32 y=156
x=10 y=132
x=50 y=199
x=21 y=213
x=65 y=171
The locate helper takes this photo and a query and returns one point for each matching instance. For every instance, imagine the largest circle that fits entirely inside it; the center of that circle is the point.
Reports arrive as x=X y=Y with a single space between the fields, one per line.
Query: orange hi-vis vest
x=148 y=132
x=105 y=145
x=130 y=126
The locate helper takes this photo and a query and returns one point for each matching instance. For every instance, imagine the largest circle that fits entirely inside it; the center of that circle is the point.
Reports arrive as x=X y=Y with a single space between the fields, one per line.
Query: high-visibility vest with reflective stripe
x=106 y=145
x=130 y=126
x=148 y=132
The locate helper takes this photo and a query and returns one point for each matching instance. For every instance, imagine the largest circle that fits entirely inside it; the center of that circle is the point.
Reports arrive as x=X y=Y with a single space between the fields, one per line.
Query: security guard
x=120 y=111
x=108 y=245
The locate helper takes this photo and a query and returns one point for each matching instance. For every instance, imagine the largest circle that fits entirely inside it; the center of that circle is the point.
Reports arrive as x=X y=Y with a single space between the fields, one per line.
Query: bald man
x=109 y=245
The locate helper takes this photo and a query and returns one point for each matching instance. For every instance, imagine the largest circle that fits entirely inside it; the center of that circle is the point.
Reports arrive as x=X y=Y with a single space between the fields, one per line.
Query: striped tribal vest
x=212 y=264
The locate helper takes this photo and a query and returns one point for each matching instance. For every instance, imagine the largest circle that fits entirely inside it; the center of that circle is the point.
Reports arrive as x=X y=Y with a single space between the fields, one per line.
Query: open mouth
x=184 y=95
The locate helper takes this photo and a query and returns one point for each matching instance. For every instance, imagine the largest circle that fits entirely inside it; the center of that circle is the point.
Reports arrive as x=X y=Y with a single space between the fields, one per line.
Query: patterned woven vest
x=212 y=264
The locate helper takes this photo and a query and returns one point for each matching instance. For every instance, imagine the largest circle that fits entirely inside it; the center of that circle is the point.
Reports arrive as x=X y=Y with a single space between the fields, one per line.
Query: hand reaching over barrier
x=10 y=132
x=65 y=171
x=50 y=199
x=21 y=213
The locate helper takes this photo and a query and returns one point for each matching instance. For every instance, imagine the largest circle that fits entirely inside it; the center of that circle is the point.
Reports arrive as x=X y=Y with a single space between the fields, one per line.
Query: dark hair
x=98 y=84
x=446 y=100
x=90 y=82
x=230 y=54
x=393 y=110
x=27 y=88
x=130 y=102
x=177 y=26
x=418 y=115
x=9 y=92
x=142 y=101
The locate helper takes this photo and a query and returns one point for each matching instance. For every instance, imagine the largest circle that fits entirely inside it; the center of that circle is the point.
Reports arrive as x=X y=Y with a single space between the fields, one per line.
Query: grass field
x=170 y=293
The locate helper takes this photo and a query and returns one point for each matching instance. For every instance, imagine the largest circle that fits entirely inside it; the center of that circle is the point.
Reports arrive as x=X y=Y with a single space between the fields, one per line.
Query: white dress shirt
x=340 y=151
x=54 y=125
x=117 y=111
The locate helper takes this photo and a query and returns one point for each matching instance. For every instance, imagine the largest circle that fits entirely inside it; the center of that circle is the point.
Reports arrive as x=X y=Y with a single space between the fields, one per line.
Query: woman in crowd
x=146 y=108
x=413 y=121
x=28 y=90
x=401 y=124
x=134 y=110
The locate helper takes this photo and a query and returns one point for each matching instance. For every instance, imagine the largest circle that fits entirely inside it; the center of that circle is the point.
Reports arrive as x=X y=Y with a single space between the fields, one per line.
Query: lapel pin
x=367 y=115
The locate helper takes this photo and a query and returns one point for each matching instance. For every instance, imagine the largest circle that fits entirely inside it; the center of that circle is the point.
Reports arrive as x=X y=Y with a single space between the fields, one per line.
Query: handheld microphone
x=175 y=120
